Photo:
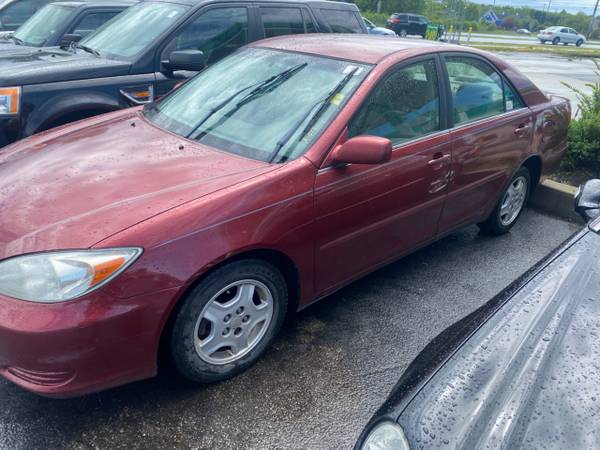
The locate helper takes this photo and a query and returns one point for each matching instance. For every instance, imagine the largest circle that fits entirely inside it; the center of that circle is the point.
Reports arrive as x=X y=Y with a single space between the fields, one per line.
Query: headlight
x=386 y=436
x=64 y=275
x=10 y=99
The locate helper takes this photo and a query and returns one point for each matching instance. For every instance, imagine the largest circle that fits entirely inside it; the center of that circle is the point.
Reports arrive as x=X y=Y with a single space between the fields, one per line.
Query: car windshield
x=263 y=104
x=133 y=30
x=43 y=25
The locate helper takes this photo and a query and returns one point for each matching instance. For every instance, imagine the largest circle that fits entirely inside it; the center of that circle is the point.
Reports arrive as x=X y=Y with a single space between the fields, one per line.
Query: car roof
x=363 y=48
x=92 y=3
x=317 y=3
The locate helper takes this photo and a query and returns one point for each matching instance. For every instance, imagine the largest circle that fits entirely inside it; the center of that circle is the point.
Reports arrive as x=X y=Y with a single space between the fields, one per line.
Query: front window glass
x=217 y=32
x=477 y=89
x=43 y=25
x=262 y=104
x=92 y=21
x=16 y=13
x=405 y=106
x=133 y=30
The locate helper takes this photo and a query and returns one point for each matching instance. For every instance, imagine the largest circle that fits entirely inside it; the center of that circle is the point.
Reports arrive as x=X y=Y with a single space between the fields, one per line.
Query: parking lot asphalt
x=317 y=386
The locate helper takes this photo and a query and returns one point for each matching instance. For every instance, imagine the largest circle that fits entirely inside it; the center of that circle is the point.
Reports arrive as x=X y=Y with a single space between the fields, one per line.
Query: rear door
x=367 y=215
x=492 y=130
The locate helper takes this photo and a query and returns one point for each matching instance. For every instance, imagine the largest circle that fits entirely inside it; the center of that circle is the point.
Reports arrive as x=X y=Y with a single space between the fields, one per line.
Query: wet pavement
x=322 y=379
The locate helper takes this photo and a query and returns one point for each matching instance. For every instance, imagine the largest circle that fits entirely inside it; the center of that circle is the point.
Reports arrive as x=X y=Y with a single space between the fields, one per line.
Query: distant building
x=491 y=17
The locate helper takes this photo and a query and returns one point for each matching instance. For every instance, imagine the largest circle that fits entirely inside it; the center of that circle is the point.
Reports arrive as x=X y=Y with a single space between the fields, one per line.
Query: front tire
x=228 y=321
x=579 y=43
x=510 y=206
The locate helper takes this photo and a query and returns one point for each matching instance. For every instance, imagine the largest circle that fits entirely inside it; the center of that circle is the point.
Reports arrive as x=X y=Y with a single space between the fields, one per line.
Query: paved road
x=511 y=39
x=318 y=385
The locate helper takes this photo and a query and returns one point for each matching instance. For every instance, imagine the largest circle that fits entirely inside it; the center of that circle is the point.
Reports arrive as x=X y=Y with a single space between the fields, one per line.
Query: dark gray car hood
x=52 y=65
x=530 y=376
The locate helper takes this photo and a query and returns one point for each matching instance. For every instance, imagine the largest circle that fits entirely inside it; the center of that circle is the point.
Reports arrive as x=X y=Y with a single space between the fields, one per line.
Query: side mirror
x=192 y=60
x=587 y=200
x=363 y=150
x=69 y=39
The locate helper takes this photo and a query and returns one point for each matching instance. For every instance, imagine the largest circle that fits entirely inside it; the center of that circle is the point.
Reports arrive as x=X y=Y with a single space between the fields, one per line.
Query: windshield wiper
x=87 y=49
x=259 y=88
x=17 y=40
x=317 y=115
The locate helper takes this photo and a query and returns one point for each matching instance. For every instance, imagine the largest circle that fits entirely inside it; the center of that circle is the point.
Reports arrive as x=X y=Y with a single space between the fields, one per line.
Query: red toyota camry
x=268 y=181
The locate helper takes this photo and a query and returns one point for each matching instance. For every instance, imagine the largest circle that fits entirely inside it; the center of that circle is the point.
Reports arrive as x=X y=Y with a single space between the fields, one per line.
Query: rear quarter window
x=340 y=21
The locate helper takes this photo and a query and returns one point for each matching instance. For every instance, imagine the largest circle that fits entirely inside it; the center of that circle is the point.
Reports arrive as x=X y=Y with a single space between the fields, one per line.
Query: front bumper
x=10 y=130
x=81 y=346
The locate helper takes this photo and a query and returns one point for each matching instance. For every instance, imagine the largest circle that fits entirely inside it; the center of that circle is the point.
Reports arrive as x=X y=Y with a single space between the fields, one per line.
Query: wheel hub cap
x=233 y=322
x=513 y=201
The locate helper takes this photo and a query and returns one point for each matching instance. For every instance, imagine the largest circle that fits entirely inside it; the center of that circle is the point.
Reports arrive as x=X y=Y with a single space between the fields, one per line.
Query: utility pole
x=593 y=20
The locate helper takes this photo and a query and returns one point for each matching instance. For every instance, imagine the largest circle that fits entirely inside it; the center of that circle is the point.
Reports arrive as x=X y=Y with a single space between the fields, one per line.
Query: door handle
x=522 y=129
x=439 y=159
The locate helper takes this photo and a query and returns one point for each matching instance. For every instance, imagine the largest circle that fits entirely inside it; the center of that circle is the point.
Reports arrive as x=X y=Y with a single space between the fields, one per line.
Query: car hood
x=530 y=375
x=9 y=48
x=74 y=187
x=50 y=64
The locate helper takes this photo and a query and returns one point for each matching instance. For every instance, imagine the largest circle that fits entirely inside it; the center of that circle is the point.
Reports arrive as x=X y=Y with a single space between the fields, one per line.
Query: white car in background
x=523 y=31
x=561 y=35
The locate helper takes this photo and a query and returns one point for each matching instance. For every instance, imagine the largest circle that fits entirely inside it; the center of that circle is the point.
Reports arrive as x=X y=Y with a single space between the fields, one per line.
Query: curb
x=556 y=199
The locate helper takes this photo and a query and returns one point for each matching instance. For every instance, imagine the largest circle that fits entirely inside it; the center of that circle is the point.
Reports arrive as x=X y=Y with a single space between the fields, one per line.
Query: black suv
x=14 y=13
x=405 y=24
x=62 y=23
x=145 y=51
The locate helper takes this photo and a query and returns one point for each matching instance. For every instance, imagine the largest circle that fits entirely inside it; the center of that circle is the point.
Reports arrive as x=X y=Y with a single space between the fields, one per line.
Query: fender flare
x=58 y=106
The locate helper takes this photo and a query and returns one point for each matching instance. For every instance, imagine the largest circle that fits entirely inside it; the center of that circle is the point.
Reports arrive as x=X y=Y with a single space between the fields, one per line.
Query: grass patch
x=570 y=51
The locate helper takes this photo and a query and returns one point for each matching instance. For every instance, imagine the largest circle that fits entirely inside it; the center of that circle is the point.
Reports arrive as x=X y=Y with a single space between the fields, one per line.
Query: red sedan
x=267 y=182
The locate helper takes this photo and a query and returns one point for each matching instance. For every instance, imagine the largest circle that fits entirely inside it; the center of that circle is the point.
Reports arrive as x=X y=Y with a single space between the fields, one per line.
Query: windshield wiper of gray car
x=260 y=88
x=87 y=49
x=16 y=40
x=317 y=115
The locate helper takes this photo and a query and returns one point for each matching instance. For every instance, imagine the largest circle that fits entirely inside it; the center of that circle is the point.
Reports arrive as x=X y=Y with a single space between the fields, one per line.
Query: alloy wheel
x=513 y=201
x=233 y=322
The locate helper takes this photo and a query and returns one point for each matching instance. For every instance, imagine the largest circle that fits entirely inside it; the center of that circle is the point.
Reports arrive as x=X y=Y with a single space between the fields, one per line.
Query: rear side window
x=404 y=106
x=91 y=21
x=281 y=21
x=340 y=21
x=478 y=90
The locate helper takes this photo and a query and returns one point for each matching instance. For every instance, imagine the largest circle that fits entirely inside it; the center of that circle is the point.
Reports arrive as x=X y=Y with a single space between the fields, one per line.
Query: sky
x=573 y=6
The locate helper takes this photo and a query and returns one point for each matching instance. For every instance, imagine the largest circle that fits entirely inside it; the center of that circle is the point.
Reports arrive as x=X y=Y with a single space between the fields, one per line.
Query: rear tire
x=555 y=41
x=542 y=42
x=510 y=206
x=228 y=321
x=403 y=33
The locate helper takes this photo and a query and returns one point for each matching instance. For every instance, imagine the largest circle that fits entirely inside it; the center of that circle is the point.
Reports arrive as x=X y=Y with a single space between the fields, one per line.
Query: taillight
x=394 y=20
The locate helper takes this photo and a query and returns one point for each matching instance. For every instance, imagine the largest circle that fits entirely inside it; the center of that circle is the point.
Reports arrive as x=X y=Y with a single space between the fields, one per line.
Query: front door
x=492 y=131
x=367 y=215
x=217 y=32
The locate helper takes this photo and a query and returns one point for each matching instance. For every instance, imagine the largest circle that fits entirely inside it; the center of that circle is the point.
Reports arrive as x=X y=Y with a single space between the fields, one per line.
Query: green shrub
x=584 y=132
